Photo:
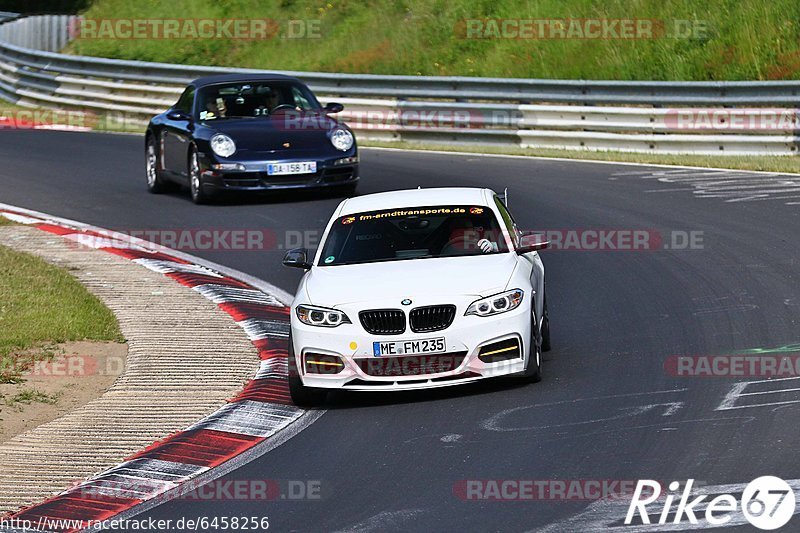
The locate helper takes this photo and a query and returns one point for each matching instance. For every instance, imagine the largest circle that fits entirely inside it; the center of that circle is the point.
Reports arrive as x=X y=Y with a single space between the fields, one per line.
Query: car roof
x=240 y=78
x=416 y=197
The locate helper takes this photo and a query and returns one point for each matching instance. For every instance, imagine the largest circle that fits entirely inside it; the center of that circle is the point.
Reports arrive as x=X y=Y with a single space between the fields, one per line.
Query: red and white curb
x=12 y=123
x=258 y=413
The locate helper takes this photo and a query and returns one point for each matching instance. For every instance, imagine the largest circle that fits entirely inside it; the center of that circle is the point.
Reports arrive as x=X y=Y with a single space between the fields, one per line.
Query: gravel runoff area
x=186 y=357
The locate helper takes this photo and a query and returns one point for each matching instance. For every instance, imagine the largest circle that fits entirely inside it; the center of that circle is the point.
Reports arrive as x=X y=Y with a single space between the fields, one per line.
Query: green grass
x=5 y=222
x=27 y=397
x=743 y=39
x=789 y=164
x=42 y=305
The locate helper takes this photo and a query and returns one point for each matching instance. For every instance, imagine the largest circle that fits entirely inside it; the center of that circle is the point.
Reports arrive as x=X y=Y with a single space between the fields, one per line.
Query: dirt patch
x=79 y=372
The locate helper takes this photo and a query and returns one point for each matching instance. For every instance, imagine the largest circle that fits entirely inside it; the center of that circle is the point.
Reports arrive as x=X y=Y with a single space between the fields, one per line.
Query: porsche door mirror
x=177 y=114
x=333 y=107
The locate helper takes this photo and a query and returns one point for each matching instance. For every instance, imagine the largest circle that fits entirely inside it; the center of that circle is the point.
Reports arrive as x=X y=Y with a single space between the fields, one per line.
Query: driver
x=215 y=107
x=466 y=236
x=269 y=101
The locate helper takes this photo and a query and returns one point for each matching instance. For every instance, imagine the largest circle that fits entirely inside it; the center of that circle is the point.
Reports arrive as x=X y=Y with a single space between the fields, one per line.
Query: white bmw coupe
x=416 y=289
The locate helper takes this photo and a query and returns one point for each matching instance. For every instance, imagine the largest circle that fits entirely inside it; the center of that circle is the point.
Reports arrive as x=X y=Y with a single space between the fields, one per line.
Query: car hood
x=268 y=135
x=416 y=279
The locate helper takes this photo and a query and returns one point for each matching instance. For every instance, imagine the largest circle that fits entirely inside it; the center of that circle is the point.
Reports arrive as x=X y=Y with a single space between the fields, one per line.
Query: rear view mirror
x=297 y=258
x=532 y=243
x=177 y=114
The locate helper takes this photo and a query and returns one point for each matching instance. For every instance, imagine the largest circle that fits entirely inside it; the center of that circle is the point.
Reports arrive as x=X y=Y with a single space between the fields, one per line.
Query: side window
x=300 y=100
x=185 y=101
x=508 y=220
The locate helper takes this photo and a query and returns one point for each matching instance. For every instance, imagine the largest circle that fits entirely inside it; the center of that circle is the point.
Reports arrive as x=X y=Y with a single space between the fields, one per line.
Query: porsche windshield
x=413 y=233
x=253 y=100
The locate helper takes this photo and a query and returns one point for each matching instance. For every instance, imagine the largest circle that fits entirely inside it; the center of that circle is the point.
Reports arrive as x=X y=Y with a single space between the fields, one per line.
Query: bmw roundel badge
x=406 y=302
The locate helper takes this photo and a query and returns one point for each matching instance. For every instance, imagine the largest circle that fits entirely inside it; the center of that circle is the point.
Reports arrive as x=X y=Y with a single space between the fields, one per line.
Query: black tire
x=199 y=195
x=302 y=396
x=533 y=368
x=155 y=183
x=545 y=327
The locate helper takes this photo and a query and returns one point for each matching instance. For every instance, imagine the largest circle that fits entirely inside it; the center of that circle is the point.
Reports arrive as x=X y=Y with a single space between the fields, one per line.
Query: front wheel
x=302 y=396
x=533 y=368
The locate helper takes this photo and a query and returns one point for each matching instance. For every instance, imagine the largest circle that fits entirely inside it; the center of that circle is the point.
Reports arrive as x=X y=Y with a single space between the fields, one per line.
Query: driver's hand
x=487 y=246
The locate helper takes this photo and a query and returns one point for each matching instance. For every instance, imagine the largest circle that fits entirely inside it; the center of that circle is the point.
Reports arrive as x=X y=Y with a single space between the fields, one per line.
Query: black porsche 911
x=245 y=132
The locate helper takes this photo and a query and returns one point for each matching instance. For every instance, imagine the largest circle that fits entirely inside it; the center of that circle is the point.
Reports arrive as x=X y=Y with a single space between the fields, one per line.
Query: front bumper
x=252 y=175
x=352 y=346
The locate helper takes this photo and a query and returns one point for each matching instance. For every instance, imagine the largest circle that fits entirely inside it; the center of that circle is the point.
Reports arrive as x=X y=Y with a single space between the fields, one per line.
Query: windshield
x=253 y=100
x=413 y=233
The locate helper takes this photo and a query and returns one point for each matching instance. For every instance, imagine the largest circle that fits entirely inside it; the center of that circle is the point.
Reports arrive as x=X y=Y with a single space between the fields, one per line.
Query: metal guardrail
x=47 y=33
x=600 y=115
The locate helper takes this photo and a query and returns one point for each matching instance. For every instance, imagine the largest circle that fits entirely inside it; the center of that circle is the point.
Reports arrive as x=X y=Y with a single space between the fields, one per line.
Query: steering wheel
x=452 y=243
x=283 y=106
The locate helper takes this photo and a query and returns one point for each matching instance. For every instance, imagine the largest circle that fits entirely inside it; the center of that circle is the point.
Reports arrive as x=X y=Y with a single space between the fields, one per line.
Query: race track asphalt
x=606 y=409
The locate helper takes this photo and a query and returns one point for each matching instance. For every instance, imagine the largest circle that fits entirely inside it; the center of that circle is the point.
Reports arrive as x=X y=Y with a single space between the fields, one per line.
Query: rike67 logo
x=767 y=503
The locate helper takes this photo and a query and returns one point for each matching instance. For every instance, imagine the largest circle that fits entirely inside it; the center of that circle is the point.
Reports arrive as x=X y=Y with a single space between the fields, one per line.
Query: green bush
x=736 y=39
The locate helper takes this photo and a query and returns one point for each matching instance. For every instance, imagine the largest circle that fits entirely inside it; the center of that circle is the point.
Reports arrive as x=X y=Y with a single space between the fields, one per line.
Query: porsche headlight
x=341 y=139
x=321 y=316
x=494 y=305
x=222 y=145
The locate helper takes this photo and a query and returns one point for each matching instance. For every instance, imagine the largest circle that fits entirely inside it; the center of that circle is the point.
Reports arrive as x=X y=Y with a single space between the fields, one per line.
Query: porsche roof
x=416 y=197
x=240 y=78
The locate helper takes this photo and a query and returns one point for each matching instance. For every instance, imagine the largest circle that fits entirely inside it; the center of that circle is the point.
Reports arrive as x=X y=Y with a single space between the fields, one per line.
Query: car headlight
x=321 y=316
x=494 y=305
x=222 y=145
x=341 y=139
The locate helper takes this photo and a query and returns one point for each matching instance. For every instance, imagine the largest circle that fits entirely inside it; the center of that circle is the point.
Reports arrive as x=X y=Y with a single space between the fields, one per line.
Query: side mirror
x=532 y=243
x=177 y=114
x=333 y=107
x=297 y=258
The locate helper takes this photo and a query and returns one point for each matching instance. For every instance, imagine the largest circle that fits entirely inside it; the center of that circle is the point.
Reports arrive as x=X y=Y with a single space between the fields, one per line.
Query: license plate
x=301 y=167
x=419 y=346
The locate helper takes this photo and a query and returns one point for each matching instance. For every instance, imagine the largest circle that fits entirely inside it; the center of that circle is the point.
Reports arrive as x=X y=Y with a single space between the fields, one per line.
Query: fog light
x=500 y=351
x=346 y=160
x=228 y=166
x=323 y=364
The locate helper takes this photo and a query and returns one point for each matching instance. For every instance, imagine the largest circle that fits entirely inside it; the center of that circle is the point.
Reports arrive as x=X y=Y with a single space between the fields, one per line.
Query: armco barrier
x=577 y=114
